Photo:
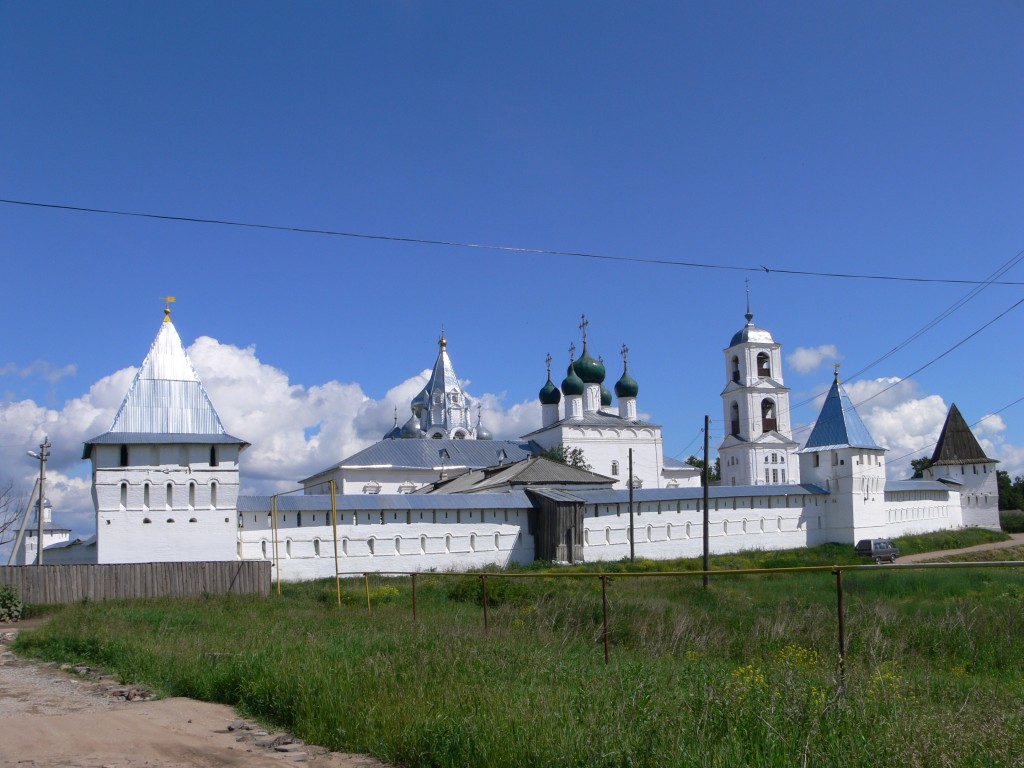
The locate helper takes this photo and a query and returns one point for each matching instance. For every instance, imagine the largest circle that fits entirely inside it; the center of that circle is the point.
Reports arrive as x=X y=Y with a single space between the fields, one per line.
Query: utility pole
x=44 y=449
x=704 y=481
x=632 y=550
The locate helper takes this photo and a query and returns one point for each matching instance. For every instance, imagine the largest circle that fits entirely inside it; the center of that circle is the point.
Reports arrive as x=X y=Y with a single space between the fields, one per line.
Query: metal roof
x=510 y=500
x=690 y=493
x=166 y=400
x=914 y=485
x=595 y=419
x=536 y=470
x=397 y=501
x=427 y=454
x=145 y=438
x=838 y=425
x=957 y=443
x=555 y=495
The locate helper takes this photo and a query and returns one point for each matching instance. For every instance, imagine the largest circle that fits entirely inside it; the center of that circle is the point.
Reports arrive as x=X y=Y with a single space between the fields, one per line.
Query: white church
x=440 y=493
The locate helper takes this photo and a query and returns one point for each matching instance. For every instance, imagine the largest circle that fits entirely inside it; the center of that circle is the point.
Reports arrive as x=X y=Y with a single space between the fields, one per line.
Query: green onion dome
x=572 y=384
x=606 y=397
x=589 y=369
x=549 y=394
x=626 y=386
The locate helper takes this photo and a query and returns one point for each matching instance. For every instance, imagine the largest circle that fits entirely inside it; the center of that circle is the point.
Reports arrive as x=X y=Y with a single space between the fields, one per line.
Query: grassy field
x=743 y=673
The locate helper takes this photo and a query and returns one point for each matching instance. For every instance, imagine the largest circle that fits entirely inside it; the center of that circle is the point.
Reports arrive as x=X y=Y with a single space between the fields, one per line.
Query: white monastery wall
x=168 y=504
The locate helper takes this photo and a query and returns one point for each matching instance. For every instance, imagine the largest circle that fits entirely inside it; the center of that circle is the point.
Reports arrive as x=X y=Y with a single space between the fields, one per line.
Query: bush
x=1012 y=520
x=11 y=606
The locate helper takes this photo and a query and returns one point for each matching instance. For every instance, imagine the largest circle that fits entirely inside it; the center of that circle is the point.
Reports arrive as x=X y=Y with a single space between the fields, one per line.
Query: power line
x=503 y=248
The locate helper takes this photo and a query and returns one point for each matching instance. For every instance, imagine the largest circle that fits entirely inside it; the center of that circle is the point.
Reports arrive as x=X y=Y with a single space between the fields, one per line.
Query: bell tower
x=758 y=448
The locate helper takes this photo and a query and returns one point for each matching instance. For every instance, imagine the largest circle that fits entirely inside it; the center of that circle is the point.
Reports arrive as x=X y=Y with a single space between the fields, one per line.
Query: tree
x=1011 y=494
x=12 y=507
x=714 y=475
x=920 y=465
x=573 y=457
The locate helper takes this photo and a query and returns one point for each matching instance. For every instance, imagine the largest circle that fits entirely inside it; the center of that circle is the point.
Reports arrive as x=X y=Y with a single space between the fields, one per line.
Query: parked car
x=879 y=549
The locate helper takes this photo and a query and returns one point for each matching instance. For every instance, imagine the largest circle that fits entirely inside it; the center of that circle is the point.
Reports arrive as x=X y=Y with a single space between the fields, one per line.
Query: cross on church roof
x=583 y=327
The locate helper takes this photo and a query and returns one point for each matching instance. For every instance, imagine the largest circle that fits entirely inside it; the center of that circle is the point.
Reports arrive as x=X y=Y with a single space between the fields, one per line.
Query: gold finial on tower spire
x=836 y=366
x=168 y=300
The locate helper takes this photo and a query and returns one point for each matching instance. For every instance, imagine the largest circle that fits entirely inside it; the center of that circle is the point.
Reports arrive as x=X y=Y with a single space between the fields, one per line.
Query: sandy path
x=51 y=718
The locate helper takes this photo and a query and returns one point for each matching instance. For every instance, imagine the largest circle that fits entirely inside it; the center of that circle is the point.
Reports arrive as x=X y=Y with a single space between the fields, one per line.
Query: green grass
x=744 y=673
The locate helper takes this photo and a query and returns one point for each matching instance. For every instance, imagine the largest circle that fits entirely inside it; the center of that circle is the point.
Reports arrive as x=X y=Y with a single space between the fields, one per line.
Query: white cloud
x=807 y=359
x=294 y=431
x=41 y=368
x=908 y=422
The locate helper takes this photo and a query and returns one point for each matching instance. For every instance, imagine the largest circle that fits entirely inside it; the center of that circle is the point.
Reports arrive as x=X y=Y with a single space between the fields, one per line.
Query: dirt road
x=1016 y=540
x=52 y=718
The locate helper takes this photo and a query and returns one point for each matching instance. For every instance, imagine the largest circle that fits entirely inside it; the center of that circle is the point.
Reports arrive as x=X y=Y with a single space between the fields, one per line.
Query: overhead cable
x=504 y=248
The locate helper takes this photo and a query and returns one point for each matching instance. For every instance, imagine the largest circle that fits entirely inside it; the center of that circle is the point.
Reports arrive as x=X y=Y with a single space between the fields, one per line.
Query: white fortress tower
x=165 y=475
x=758 y=448
x=960 y=461
x=842 y=457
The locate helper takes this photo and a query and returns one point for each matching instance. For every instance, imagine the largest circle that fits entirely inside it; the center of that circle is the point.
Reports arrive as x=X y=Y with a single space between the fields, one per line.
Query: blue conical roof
x=838 y=424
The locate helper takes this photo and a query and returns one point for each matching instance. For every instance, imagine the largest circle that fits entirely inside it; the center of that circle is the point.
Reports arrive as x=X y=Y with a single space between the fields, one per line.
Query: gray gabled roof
x=433 y=454
x=534 y=471
x=838 y=425
x=957 y=443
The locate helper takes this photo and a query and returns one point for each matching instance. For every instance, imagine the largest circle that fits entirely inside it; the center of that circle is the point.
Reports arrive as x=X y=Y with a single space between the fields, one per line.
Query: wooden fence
x=71 y=583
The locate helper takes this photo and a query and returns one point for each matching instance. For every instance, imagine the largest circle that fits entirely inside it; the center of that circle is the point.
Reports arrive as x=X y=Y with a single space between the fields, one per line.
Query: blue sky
x=861 y=138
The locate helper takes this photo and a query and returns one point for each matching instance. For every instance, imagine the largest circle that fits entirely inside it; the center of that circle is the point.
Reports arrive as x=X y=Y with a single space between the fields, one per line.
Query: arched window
x=423 y=545
x=145 y=497
x=472 y=542
x=213 y=495
x=170 y=495
x=497 y=541
x=213 y=456
x=448 y=543
x=764 y=365
x=263 y=549
x=768 y=420
x=735 y=369
x=124 y=455
x=615 y=468
x=191 y=495
x=316 y=547
x=734 y=417
x=371 y=545
x=124 y=496
x=398 y=545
